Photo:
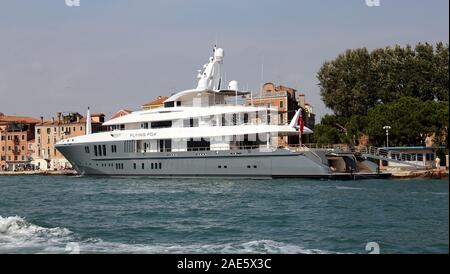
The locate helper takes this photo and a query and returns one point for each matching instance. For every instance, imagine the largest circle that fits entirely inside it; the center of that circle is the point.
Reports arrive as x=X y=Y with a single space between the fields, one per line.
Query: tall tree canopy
x=412 y=121
x=359 y=80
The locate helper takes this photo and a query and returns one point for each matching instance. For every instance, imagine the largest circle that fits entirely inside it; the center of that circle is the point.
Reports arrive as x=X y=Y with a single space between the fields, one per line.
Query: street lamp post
x=387 y=128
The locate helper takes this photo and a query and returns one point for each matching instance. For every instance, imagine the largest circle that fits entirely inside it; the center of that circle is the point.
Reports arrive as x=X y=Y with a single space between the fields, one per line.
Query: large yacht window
x=169 y=104
x=161 y=124
x=165 y=145
x=192 y=122
x=129 y=146
x=198 y=145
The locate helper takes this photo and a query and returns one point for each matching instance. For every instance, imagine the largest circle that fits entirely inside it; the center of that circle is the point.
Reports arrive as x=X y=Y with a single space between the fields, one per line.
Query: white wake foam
x=17 y=234
x=252 y=247
x=20 y=236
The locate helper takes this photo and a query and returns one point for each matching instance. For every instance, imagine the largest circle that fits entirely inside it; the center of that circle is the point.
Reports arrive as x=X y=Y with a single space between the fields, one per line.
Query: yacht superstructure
x=204 y=131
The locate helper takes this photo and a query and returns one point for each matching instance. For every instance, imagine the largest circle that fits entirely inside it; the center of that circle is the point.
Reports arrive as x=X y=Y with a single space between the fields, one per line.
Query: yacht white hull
x=237 y=163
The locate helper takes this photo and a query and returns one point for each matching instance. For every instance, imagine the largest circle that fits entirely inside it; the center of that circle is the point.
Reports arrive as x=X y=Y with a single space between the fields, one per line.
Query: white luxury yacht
x=206 y=131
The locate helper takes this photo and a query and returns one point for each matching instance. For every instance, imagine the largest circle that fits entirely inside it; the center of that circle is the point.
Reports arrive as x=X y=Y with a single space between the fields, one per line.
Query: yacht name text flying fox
x=204 y=131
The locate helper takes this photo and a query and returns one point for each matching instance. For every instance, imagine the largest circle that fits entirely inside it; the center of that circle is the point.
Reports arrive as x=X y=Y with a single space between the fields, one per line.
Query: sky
x=120 y=54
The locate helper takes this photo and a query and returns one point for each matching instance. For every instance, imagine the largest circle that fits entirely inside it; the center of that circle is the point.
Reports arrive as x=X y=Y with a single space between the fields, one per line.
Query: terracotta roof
x=97 y=114
x=18 y=119
x=55 y=123
x=121 y=113
x=158 y=101
x=284 y=88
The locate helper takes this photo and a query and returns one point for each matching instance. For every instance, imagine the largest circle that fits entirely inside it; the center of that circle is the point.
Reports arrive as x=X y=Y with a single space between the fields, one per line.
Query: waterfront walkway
x=39 y=173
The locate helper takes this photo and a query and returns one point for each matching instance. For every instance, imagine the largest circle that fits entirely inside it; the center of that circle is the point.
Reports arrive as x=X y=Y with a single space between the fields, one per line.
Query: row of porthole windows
x=249 y=166
x=152 y=166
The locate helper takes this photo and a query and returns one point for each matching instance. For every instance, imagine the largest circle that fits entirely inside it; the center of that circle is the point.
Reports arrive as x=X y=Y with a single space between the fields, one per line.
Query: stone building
x=16 y=135
x=284 y=100
x=48 y=133
x=309 y=117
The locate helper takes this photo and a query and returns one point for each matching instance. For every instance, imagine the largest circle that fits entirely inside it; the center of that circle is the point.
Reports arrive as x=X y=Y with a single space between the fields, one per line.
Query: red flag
x=301 y=125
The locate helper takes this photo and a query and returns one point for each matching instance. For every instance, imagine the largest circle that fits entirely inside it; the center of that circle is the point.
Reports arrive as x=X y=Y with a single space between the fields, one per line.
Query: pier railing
x=409 y=159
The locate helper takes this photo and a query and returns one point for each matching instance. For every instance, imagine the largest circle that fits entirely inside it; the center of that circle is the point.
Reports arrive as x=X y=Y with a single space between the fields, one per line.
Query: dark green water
x=144 y=215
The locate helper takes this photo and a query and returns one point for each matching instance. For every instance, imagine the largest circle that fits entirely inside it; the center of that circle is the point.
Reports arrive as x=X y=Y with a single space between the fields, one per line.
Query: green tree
x=358 y=79
x=411 y=119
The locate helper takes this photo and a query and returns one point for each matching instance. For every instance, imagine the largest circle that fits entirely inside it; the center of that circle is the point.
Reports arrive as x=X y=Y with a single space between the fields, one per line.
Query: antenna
x=262 y=72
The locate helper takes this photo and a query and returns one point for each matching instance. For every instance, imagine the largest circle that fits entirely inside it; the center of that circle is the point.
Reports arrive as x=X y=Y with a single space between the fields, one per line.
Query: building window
x=23 y=148
x=23 y=137
x=143 y=165
x=160 y=166
x=281 y=104
x=223 y=120
x=86 y=149
x=38 y=131
x=95 y=151
x=104 y=150
x=134 y=165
